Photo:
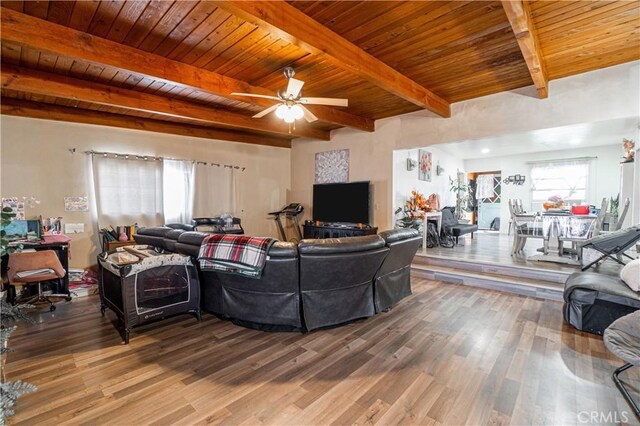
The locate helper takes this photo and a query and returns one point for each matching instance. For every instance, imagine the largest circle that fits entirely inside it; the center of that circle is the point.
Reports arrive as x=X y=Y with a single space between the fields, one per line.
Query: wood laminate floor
x=448 y=354
x=494 y=247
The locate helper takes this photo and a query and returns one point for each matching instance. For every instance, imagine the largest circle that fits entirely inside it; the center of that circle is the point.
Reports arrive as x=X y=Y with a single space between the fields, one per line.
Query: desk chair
x=32 y=261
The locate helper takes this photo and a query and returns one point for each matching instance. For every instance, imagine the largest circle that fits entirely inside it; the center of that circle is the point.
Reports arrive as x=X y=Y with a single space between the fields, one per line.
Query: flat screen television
x=341 y=202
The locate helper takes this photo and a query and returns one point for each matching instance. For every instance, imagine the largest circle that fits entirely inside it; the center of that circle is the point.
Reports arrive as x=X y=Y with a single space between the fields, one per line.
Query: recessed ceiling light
x=485 y=150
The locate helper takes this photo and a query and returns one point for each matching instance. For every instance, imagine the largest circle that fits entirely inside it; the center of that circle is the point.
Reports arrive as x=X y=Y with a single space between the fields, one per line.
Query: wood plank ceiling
x=170 y=66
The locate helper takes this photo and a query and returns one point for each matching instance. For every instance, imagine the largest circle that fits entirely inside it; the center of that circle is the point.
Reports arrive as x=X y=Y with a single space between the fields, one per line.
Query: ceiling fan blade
x=308 y=115
x=266 y=111
x=294 y=87
x=254 y=95
x=325 y=101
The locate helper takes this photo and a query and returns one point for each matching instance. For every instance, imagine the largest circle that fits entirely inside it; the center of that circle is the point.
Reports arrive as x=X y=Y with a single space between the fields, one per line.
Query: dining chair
x=519 y=207
x=601 y=215
x=623 y=215
x=516 y=206
x=585 y=229
x=26 y=268
x=525 y=226
x=577 y=230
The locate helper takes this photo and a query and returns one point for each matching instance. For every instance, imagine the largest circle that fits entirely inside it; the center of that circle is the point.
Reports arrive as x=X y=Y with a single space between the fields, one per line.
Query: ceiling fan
x=290 y=106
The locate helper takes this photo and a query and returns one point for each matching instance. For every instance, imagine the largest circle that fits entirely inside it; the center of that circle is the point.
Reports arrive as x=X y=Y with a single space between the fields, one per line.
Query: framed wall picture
x=424 y=165
x=332 y=166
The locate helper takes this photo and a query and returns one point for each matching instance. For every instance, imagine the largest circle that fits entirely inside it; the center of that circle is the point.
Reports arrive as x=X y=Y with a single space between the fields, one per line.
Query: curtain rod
x=560 y=160
x=157 y=158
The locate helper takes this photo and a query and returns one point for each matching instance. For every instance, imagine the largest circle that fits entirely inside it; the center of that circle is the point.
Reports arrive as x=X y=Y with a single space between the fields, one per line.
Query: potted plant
x=614 y=206
x=461 y=190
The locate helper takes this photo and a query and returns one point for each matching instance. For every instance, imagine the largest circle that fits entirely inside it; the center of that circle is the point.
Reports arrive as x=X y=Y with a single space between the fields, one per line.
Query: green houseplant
x=614 y=205
x=461 y=190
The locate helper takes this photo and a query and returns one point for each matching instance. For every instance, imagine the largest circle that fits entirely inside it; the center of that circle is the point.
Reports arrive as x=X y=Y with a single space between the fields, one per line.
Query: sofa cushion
x=154 y=231
x=395 y=235
x=151 y=235
x=171 y=238
x=174 y=234
x=283 y=249
x=461 y=229
x=192 y=237
x=340 y=245
x=630 y=274
x=183 y=226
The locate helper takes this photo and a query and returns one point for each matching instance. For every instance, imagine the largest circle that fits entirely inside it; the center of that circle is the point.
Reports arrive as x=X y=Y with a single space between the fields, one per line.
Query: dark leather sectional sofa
x=305 y=286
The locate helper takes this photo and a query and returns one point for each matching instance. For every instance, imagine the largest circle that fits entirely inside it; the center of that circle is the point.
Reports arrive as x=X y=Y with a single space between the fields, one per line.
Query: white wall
x=606 y=94
x=405 y=181
x=36 y=162
x=604 y=173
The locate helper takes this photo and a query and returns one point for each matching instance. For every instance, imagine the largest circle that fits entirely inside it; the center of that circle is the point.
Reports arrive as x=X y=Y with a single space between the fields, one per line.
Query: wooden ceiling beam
x=44 y=111
x=292 y=25
x=47 y=84
x=519 y=16
x=28 y=31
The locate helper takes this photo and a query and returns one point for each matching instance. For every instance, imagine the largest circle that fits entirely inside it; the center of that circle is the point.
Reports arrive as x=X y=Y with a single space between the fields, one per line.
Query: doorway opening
x=486 y=201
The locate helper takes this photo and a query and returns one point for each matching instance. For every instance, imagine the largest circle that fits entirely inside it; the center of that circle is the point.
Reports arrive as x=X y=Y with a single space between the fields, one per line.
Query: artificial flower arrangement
x=413 y=211
x=553 y=202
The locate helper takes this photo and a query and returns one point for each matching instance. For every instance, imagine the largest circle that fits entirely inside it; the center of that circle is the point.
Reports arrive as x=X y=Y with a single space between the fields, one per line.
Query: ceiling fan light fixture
x=297 y=112
x=282 y=111
x=289 y=119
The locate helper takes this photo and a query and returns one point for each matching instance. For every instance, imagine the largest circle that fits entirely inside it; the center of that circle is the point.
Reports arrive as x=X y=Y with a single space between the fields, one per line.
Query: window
x=127 y=190
x=567 y=179
x=178 y=185
x=152 y=192
x=214 y=190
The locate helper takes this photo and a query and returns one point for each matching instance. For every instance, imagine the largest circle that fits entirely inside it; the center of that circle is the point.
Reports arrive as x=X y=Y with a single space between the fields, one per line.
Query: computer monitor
x=22 y=230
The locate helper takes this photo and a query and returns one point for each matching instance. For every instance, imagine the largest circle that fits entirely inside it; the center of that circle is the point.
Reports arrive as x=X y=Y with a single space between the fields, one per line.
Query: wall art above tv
x=332 y=166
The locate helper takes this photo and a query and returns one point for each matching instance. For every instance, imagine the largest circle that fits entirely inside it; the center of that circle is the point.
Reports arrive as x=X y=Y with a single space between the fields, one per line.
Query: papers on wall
x=73 y=228
x=76 y=204
x=16 y=205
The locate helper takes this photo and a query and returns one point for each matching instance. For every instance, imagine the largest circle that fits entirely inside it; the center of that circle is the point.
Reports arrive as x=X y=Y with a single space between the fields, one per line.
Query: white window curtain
x=178 y=190
x=127 y=191
x=567 y=179
x=215 y=190
x=484 y=187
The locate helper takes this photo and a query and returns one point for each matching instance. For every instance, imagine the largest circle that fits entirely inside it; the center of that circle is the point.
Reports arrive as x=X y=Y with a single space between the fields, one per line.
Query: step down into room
x=522 y=280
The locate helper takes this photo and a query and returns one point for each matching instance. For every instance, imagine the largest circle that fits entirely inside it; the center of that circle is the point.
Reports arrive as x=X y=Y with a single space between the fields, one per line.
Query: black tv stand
x=313 y=229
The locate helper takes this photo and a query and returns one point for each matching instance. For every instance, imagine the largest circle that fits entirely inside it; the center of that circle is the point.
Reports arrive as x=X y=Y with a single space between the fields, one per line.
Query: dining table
x=563 y=227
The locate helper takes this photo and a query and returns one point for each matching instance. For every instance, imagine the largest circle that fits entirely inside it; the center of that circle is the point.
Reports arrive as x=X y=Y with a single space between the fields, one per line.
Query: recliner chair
x=336 y=278
x=392 y=283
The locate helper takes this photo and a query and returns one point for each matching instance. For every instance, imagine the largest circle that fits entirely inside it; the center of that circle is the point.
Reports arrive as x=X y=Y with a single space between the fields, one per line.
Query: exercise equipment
x=291 y=212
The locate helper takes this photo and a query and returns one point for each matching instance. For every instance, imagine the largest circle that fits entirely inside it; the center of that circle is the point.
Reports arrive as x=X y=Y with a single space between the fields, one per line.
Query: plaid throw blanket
x=234 y=254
